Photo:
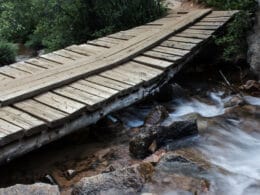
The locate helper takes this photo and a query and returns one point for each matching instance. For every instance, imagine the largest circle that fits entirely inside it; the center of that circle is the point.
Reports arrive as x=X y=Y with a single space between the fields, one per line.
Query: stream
x=223 y=158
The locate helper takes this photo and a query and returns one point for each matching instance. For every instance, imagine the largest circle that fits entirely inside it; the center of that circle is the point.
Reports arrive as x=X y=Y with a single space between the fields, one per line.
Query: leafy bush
x=54 y=24
x=7 y=53
x=234 y=41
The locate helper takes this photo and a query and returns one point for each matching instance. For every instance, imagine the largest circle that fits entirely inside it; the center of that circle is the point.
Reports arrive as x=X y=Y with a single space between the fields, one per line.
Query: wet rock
x=168 y=130
x=235 y=101
x=69 y=174
x=170 y=92
x=254 y=45
x=48 y=179
x=157 y=115
x=129 y=180
x=35 y=189
x=155 y=157
x=252 y=87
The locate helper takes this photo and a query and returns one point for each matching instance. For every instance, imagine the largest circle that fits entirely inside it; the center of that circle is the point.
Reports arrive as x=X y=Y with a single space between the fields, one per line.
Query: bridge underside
x=45 y=98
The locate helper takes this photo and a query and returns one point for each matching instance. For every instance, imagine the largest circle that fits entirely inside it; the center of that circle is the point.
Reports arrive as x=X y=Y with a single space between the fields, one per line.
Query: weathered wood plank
x=201 y=32
x=204 y=27
x=9 y=132
x=69 y=54
x=178 y=45
x=79 y=95
x=219 y=19
x=108 y=82
x=13 y=72
x=193 y=35
x=43 y=63
x=185 y=39
x=173 y=51
x=27 y=67
x=52 y=116
x=5 y=78
x=30 y=124
x=56 y=58
x=60 y=103
x=163 y=56
x=101 y=43
x=153 y=62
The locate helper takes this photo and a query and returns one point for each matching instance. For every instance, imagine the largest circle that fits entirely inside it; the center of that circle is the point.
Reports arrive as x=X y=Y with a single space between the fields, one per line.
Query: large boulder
x=129 y=180
x=254 y=45
x=152 y=137
x=34 y=189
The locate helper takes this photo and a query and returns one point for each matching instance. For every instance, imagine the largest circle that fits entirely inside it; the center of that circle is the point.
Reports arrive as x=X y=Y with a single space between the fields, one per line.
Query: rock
x=129 y=180
x=157 y=115
x=254 y=45
x=69 y=174
x=170 y=92
x=167 y=131
x=155 y=157
x=34 y=189
x=235 y=101
x=252 y=87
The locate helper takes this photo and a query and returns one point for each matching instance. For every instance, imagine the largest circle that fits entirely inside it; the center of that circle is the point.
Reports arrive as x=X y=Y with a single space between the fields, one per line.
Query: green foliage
x=54 y=24
x=7 y=52
x=234 y=41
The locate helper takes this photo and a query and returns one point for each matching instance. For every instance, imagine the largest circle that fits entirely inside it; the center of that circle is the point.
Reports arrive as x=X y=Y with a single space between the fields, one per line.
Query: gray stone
x=34 y=189
x=128 y=180
x=254 y=45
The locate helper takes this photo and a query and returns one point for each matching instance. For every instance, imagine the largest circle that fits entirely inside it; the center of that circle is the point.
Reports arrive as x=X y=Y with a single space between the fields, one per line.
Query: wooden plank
x=141 y=73
x=138 y=78
x=201 y=32
x=162 y=56
x=185 y=39
x=80 y=50
x=173 y=51
x=219 y=19
x=79 y=95
x=79 y=85
x=121 y=36
x=30 y=124
x=60 y=103
x=193 y=35
x=153 y=62
x=13 y=72
x=81 y=69
x=9 y=132
x=221 y=14
x=178 y=45
x=27 y=67
x=210 y=23
x=52 y=116
x=149 y=70
x=111 y=40
x=204 y=27
x=69 y=54
x=101 y=43
x=119 y=77
x=5 y=78
x=99 y=87
x=43 y=63
x=56 y=58
x=108 y=82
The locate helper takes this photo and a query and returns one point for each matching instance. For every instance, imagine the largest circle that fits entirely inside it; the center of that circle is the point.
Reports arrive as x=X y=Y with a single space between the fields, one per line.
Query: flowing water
x=229 y=140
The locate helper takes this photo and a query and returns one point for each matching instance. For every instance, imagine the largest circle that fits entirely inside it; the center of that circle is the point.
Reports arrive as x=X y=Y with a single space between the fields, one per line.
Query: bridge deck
x=48 y=97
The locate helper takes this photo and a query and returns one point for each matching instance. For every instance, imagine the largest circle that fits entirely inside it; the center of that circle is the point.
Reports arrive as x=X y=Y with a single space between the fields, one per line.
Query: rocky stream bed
x=201 y=136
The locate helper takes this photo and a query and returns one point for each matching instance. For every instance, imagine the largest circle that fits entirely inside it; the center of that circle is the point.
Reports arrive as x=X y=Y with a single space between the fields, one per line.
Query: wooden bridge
x=45 y=98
